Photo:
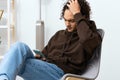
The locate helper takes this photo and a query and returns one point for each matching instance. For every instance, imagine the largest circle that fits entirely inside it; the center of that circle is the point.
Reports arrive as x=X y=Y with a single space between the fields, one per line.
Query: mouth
x=69 y=28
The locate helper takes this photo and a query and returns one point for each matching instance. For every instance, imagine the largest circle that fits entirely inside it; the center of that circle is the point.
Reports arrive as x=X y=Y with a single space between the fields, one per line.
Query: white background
x=106 y=14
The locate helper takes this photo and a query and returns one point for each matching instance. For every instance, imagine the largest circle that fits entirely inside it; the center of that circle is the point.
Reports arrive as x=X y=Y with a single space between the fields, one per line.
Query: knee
x=20 y=46
x=18 y=43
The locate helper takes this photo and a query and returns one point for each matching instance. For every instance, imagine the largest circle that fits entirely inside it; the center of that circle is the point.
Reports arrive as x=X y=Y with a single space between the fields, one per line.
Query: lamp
x=39 y=31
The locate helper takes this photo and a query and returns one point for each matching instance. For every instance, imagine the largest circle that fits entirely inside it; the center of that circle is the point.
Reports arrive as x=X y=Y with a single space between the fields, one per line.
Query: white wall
x=52 y=18
x=106 y=14
x=27 y=12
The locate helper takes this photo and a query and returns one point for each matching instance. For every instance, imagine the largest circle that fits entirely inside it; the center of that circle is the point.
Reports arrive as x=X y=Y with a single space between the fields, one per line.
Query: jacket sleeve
x=87 y=32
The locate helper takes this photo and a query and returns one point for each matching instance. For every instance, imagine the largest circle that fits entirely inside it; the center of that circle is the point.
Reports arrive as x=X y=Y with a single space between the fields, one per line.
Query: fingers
x=44 y=59
x=37 y=56
x=76 y=1
x=72 y=1
x=74 y=6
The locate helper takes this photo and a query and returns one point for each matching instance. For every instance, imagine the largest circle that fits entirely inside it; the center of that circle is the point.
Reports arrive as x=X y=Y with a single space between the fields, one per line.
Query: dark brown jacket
x=71 y=50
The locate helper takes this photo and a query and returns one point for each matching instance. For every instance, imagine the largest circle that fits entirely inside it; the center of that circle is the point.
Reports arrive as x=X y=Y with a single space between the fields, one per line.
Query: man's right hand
x=37 y=56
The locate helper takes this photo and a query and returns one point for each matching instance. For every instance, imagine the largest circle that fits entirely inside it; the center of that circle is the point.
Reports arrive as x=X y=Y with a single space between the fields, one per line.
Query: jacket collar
x=70 y=33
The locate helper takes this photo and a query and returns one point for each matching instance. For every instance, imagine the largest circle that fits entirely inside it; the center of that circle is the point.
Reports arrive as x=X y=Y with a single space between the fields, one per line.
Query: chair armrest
x=69 y=76
x=74 y=78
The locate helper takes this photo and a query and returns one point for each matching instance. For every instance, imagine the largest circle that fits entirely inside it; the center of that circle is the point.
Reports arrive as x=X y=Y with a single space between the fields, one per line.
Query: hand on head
x=74 y=6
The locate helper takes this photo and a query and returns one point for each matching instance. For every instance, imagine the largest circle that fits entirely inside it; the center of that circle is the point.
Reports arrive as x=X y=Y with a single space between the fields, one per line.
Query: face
x=69 y=20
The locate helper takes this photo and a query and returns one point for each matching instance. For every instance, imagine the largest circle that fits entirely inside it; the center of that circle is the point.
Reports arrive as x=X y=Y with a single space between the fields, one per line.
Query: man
x=67 y=51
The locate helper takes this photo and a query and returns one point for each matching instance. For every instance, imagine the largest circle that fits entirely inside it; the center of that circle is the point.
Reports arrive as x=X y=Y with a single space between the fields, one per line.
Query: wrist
x=78 y=17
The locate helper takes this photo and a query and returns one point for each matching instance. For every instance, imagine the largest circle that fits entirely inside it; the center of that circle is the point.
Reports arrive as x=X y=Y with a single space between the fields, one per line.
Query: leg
x=14 y=60
x=41 y=70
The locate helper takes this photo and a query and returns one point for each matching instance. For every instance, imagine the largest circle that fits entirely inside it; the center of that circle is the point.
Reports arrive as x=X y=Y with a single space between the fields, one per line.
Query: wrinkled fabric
x=19 y=60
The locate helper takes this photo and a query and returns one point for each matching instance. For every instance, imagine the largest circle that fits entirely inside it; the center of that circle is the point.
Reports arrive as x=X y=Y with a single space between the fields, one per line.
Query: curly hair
x=85 y=8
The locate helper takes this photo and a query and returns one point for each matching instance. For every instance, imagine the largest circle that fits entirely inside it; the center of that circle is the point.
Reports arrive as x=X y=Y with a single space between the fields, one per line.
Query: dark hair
x=85 y=8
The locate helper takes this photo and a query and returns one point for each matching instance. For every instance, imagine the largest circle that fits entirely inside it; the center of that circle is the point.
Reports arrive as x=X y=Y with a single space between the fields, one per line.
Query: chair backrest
x=94 y=64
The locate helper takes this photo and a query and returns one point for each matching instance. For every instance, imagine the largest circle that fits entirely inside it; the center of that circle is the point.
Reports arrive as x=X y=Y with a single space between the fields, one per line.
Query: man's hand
x=37 y=56
x=74 y=6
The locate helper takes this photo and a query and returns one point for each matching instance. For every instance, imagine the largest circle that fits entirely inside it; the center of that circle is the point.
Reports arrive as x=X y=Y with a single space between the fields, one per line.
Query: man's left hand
x=74 y=6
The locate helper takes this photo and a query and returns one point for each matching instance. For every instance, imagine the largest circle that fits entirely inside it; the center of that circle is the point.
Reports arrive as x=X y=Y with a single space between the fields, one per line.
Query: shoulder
x=57 y=35
x=60 y=32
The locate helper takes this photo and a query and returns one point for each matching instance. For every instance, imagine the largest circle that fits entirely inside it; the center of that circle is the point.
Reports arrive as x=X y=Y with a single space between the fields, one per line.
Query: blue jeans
x=19 y=60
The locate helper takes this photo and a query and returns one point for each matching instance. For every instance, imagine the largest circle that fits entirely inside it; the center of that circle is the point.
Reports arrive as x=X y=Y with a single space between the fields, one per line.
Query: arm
x=86 y=29
x=88 y=36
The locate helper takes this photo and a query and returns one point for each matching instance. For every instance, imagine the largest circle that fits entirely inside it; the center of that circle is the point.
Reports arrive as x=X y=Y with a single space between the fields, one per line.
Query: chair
x=93 y=66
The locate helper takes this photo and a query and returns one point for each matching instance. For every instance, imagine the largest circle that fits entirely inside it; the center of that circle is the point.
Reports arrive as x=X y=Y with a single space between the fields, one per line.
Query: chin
x=70 y=30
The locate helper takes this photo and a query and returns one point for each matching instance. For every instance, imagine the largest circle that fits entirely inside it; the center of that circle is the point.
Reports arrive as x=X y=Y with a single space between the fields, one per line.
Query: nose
x=67 y=23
